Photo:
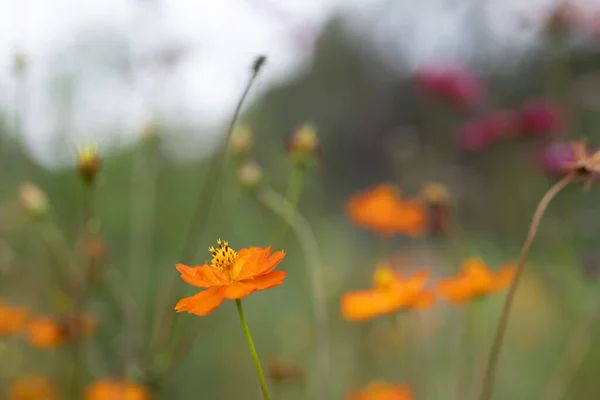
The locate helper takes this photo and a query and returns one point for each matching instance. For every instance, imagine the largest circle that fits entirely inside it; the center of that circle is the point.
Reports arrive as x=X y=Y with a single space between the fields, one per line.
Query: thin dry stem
x=488 y=380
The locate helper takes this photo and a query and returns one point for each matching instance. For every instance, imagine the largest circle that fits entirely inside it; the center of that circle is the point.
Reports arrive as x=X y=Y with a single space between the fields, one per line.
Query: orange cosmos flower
x=474 y=280
x=390 y=294
x=382 y=210
x=48 y=332
x=12 y=319
x=33 y=387
x=231 y=275
x=105 y=389
x=383 y=391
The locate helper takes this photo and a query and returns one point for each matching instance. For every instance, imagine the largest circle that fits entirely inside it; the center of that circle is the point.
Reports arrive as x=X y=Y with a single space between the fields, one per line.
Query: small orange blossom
x=48 y=332
x=383 y=391
x=475 y=279
x=231 y=275
x=12 y=319
x=105 y=389
x=382 y=210
x=390 y=294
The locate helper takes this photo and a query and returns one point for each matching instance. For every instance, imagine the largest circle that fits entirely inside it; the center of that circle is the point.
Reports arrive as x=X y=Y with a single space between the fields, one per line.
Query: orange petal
x=503 y=277
x=248 y=250
x=237 y=290
x=411 y=218
x=423 y=300
x=271 y=262
x=477 y=273
x=247 y=262
x=367 y=304
x=456 y=290
x=258 y=263
x=203 y=276
x=415 y=283
x=202 y=303
x=383 y=391
x=269 y=280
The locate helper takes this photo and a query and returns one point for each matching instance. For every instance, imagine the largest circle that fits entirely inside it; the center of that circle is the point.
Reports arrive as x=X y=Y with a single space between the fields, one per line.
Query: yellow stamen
x=384 y=277
x=224 y=257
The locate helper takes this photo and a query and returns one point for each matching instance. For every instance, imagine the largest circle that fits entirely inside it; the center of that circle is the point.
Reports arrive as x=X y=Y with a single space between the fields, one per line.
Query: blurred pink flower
x=479 y=134
x=541 y=118
x=554 y=158
x=450 y=83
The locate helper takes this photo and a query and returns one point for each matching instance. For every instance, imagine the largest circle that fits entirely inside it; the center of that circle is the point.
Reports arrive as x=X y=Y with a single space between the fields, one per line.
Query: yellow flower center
x=384 y=277
x=224 y=257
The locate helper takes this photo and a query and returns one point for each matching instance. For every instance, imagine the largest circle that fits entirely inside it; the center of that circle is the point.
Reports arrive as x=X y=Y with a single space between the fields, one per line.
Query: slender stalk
x=144 y=185
x=261 y=377
x=292 y=196
x=165 y=317
x=488 y=379
x=80 y=291
x=306 y=238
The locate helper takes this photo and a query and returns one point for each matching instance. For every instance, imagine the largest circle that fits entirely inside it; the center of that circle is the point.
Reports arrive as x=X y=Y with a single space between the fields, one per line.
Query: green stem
x=144 y=196
x=80 y=291
x=292 y=196
x=261 y=377
x=310 y=248
x=164 y=320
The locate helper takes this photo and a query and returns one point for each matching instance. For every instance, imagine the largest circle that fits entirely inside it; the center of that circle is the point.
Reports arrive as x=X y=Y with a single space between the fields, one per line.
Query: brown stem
x=488 y=379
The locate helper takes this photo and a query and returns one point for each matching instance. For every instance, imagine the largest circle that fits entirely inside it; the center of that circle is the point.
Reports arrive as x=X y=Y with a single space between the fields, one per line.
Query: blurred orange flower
x=106 y=389
x=12 y=319
x=47 y=332
x=382 y=210
x=383 y=391
x=390 y=294
x=231 y=275
x=475 y=279
x=33 y=387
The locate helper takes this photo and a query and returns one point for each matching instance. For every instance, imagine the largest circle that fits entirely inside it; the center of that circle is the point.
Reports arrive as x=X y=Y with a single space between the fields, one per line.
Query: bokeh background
x=154 y=84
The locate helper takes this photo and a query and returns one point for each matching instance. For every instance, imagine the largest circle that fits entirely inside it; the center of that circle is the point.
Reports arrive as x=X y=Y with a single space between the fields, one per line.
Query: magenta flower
x=541 y=118
x=482 y=133
x=450 y=83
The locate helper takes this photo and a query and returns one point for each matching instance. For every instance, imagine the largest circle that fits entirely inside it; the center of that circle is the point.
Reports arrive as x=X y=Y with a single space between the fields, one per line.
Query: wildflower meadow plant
x=387 y=297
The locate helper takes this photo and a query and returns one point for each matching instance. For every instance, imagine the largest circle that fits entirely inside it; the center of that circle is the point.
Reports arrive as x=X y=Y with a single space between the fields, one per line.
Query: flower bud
x=33 y=200
x=437 y=199
x=241 y=140
x=88 y=163
x=250 y=174
x=303 y=145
